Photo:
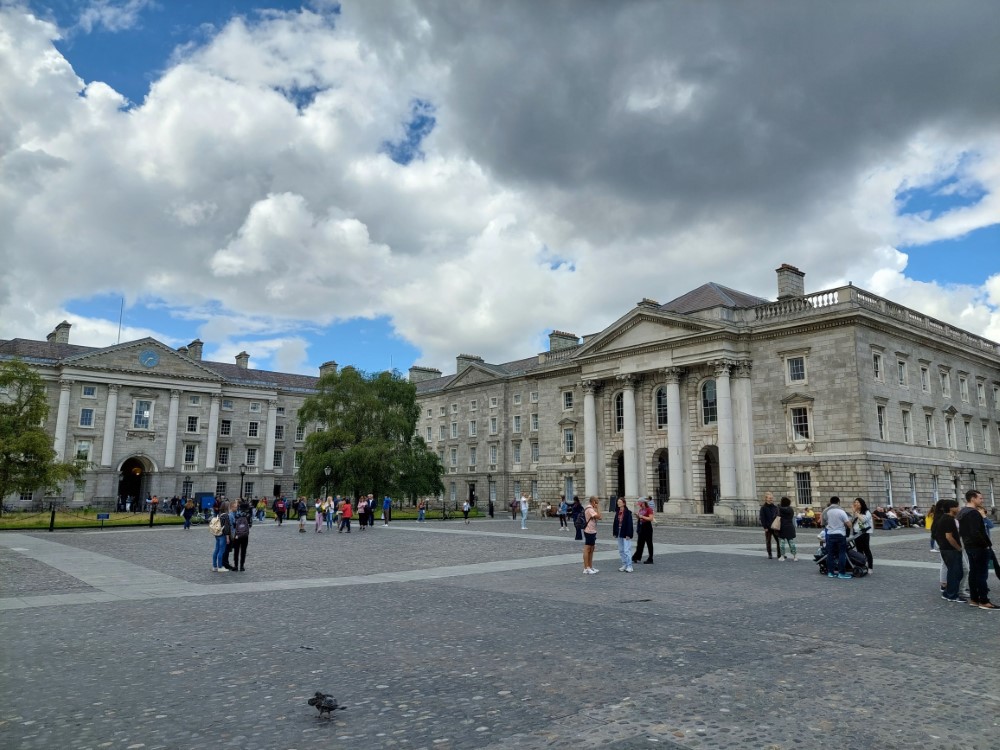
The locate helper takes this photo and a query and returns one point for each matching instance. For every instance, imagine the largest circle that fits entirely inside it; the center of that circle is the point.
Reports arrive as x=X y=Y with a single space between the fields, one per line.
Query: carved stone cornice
x=175 y=393
x=673 y=374
x=722 y=367
x=272 y=404
x=216 y=397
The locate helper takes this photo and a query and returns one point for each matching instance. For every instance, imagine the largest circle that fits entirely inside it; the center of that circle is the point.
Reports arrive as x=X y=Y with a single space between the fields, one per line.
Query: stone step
x=692 y=519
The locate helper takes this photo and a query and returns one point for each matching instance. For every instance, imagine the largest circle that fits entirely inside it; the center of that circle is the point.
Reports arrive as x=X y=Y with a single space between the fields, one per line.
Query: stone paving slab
x=711 y=647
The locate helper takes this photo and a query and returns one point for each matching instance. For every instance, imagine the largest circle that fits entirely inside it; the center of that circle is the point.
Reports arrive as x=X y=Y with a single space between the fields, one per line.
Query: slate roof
x=711 y=295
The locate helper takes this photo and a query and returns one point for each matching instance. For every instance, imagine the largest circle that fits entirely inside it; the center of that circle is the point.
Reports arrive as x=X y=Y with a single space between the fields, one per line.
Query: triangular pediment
x=472 y=375
x=145 y=356
x=643 y=327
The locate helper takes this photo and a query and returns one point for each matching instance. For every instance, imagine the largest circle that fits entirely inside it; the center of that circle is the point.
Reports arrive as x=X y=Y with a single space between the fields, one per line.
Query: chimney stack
x=462 y=361
x=790 y=282
x=194 y=349
x=562 y=340
x=243 y=360
x=60 y=335
x=420 y=374
x=327 y=367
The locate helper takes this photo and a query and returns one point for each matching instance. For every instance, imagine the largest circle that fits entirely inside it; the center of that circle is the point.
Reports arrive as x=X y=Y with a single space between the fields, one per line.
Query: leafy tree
x=27 y=459
x=369 y=440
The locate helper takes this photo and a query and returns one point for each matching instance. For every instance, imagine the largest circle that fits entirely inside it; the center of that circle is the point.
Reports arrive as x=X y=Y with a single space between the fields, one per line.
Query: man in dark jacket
x=768 y=512
x=622 y=530
x=979 y=549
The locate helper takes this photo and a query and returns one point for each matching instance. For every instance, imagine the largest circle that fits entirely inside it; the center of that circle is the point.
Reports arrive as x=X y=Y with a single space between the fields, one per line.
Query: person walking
x=465 y=510
x=592 y=515
x=345 y=516
x=524 y=510
x=187 y=513
x=280 y=506
x=421 y=511
x=262 y=509
x=979 y=549
x=330 y=512
x=562 y=511
x=574 y=511
x=768 y=512
x=863 y=524
x=644 y=535
x=622 y=529
x=949 y=542
x=362 y=512
x=302 y=511
x=387 y=510
x=786 y=534
x=838 y=524
x=217 y=527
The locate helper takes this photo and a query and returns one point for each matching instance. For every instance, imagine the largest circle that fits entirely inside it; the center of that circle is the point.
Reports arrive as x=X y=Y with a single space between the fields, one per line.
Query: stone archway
x=710 y=478
x=133 y=480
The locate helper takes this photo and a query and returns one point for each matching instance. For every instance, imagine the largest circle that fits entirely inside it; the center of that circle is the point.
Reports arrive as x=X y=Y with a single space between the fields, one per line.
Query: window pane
x=709 y=404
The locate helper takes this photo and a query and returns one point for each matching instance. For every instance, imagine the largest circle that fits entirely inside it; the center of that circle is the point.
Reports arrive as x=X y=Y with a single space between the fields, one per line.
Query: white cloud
x=112 y=16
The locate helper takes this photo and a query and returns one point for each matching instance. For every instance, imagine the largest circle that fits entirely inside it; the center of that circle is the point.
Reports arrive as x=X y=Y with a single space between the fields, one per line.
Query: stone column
x=62 y=417
x=170 y=460
x=110 y=420
x=629 y=437
x=272 y=418
x=589 y=438
x=743 y=431
x=727 y=448
x=213 y=431
x=675 y=434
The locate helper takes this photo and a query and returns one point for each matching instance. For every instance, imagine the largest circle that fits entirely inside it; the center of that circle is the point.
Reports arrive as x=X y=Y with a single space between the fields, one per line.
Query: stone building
x=710 y=399
x=152 y=420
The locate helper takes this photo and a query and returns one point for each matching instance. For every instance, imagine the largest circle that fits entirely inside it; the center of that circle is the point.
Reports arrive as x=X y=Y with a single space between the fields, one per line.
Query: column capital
x=272 y=403
x=628 y=380
x=216 y=397
x=590 y=386
x=114 y=387
x=673 y=374
x=175 y=393
x=722 y=367
x=743 y=368
x=66 y=383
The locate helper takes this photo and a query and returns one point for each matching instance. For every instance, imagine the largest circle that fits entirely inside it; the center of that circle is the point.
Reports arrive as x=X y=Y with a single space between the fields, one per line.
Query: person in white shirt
x=838 y=524
x=524 y=511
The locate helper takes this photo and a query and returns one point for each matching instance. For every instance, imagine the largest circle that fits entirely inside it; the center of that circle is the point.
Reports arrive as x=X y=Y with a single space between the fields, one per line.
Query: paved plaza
x=446 y=635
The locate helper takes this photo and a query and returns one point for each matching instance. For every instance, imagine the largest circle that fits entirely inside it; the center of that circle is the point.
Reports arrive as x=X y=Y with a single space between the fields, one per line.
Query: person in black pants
x=241 y=537
x=768 y=512
x=945 y=533
x=862 y=523
x=644 y=532
x=978 y=547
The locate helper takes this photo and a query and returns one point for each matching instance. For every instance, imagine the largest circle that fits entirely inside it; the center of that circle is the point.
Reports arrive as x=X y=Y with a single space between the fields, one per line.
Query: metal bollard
x=52 y=516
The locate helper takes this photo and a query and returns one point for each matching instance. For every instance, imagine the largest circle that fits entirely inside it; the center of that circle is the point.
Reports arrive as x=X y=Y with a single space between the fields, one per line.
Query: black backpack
x=241 y=527
x=580 y=521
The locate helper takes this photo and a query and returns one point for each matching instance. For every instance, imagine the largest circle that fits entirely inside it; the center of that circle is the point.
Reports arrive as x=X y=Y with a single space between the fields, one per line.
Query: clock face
x=149 y=358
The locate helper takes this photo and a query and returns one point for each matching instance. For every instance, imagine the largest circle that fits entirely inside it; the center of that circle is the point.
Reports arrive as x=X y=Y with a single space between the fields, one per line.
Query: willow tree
x=368 y=437
x=27 y=460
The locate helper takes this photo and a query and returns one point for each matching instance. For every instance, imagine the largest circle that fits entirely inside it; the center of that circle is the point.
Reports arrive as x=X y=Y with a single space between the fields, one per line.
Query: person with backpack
x=575 y=512
x=279 y=509
x=242 y=522
x=302 y=510
x=219 y=551
x=187 y=513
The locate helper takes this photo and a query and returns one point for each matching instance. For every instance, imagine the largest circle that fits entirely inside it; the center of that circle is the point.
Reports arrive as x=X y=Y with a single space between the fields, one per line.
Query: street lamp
x=972 y=473
x=326 y=487
x=243 y=471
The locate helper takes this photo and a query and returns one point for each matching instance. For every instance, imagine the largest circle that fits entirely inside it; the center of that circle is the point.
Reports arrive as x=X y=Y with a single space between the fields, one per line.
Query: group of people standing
x=231 y=529
x=964 y=535
x=624 y=526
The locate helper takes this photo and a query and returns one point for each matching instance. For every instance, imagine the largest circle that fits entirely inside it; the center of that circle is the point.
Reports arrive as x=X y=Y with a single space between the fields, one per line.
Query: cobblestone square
x=446 y=635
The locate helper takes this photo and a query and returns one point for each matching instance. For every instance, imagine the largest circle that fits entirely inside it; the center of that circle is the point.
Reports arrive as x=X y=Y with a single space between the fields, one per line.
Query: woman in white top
x=862 y=524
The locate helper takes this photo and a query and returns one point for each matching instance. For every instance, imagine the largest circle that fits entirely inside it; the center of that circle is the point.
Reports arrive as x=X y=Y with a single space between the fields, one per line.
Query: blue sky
x=390 y=184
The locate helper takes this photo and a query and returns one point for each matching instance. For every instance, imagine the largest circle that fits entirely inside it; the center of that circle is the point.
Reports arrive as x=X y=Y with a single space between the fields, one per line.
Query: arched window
x=619 y=412
x=709 y=404
x=661 y=408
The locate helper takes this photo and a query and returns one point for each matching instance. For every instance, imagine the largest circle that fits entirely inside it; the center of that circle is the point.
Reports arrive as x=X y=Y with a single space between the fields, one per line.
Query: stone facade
x=808 y=396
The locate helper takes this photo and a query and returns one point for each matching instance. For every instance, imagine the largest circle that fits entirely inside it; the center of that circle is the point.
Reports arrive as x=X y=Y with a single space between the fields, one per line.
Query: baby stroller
x=855 y=563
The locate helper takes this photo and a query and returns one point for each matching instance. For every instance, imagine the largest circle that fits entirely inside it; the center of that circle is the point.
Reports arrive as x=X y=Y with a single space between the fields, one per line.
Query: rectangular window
x=493 y=455
x=430 y=412
x=443 y=411
x=925 y=380
x=516 y=452
x=935 y=488
x=279 y=432
x=89 y=391
x=220 y=489
x=454 y=456
x=226 y=427
x=796 y=369
x=493 y=402
x=86 y=417
x=253 y=429
x=981 y=393
x=142 y=415
x=803 y=488
x=986 y=437
x=963 y=388
x=949 y=432
x=996 y=397
x=877 y=365
x=300 y=433
x=929 y=426
x=569 y=440
x=297 y=459
x=251 y=457
x=534 y=422
x=901 y=372
x=255 y=407
x=534 y=489
x=907 y=427
x=993 y=497
x=192 y=424
x=913 y=490
x=533 y=397
x=454 y=408
x=194 y=400
x=534 y=453
x=82 y=450
x=223 y=455
x=880 y=413
x=969 y=444
x=517 y=423
x=946 y=385
x=472 y=456
x=429 y=431
x=248 y=489
x=517 y=399
x=227 y=405
x=279 y=456
x=190 y=454
x=443 y=432
x=454 y=429
x=26 y=497
x=493 y=425
x=567 y=400
x=474 y=405
x=887 y=482
x=472 y=428
x=517 y=490
x=800 y=423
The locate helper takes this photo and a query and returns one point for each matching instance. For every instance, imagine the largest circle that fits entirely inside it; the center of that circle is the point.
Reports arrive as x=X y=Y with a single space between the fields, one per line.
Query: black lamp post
x=972 y=473
x=326 y=487
x=243 y=471
x=489 y=494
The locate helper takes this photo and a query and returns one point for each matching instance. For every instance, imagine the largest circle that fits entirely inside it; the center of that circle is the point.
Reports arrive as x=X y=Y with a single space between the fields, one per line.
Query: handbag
x=776 y=524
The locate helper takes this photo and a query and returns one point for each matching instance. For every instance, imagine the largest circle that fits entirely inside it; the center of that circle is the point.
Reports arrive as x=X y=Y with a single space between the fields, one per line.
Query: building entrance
x=133 y=482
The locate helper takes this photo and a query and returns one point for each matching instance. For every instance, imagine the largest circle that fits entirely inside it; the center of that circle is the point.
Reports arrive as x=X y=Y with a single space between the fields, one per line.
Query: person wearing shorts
x=593 y=515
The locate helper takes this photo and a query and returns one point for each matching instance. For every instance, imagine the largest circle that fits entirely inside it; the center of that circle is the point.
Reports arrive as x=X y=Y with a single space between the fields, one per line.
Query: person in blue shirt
x=386 y=510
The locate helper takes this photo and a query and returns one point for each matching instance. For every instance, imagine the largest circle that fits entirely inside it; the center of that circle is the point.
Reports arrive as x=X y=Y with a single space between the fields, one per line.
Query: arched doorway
x=662 y=479
x=133 y=481
x=620 y=474
x=710 y=491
